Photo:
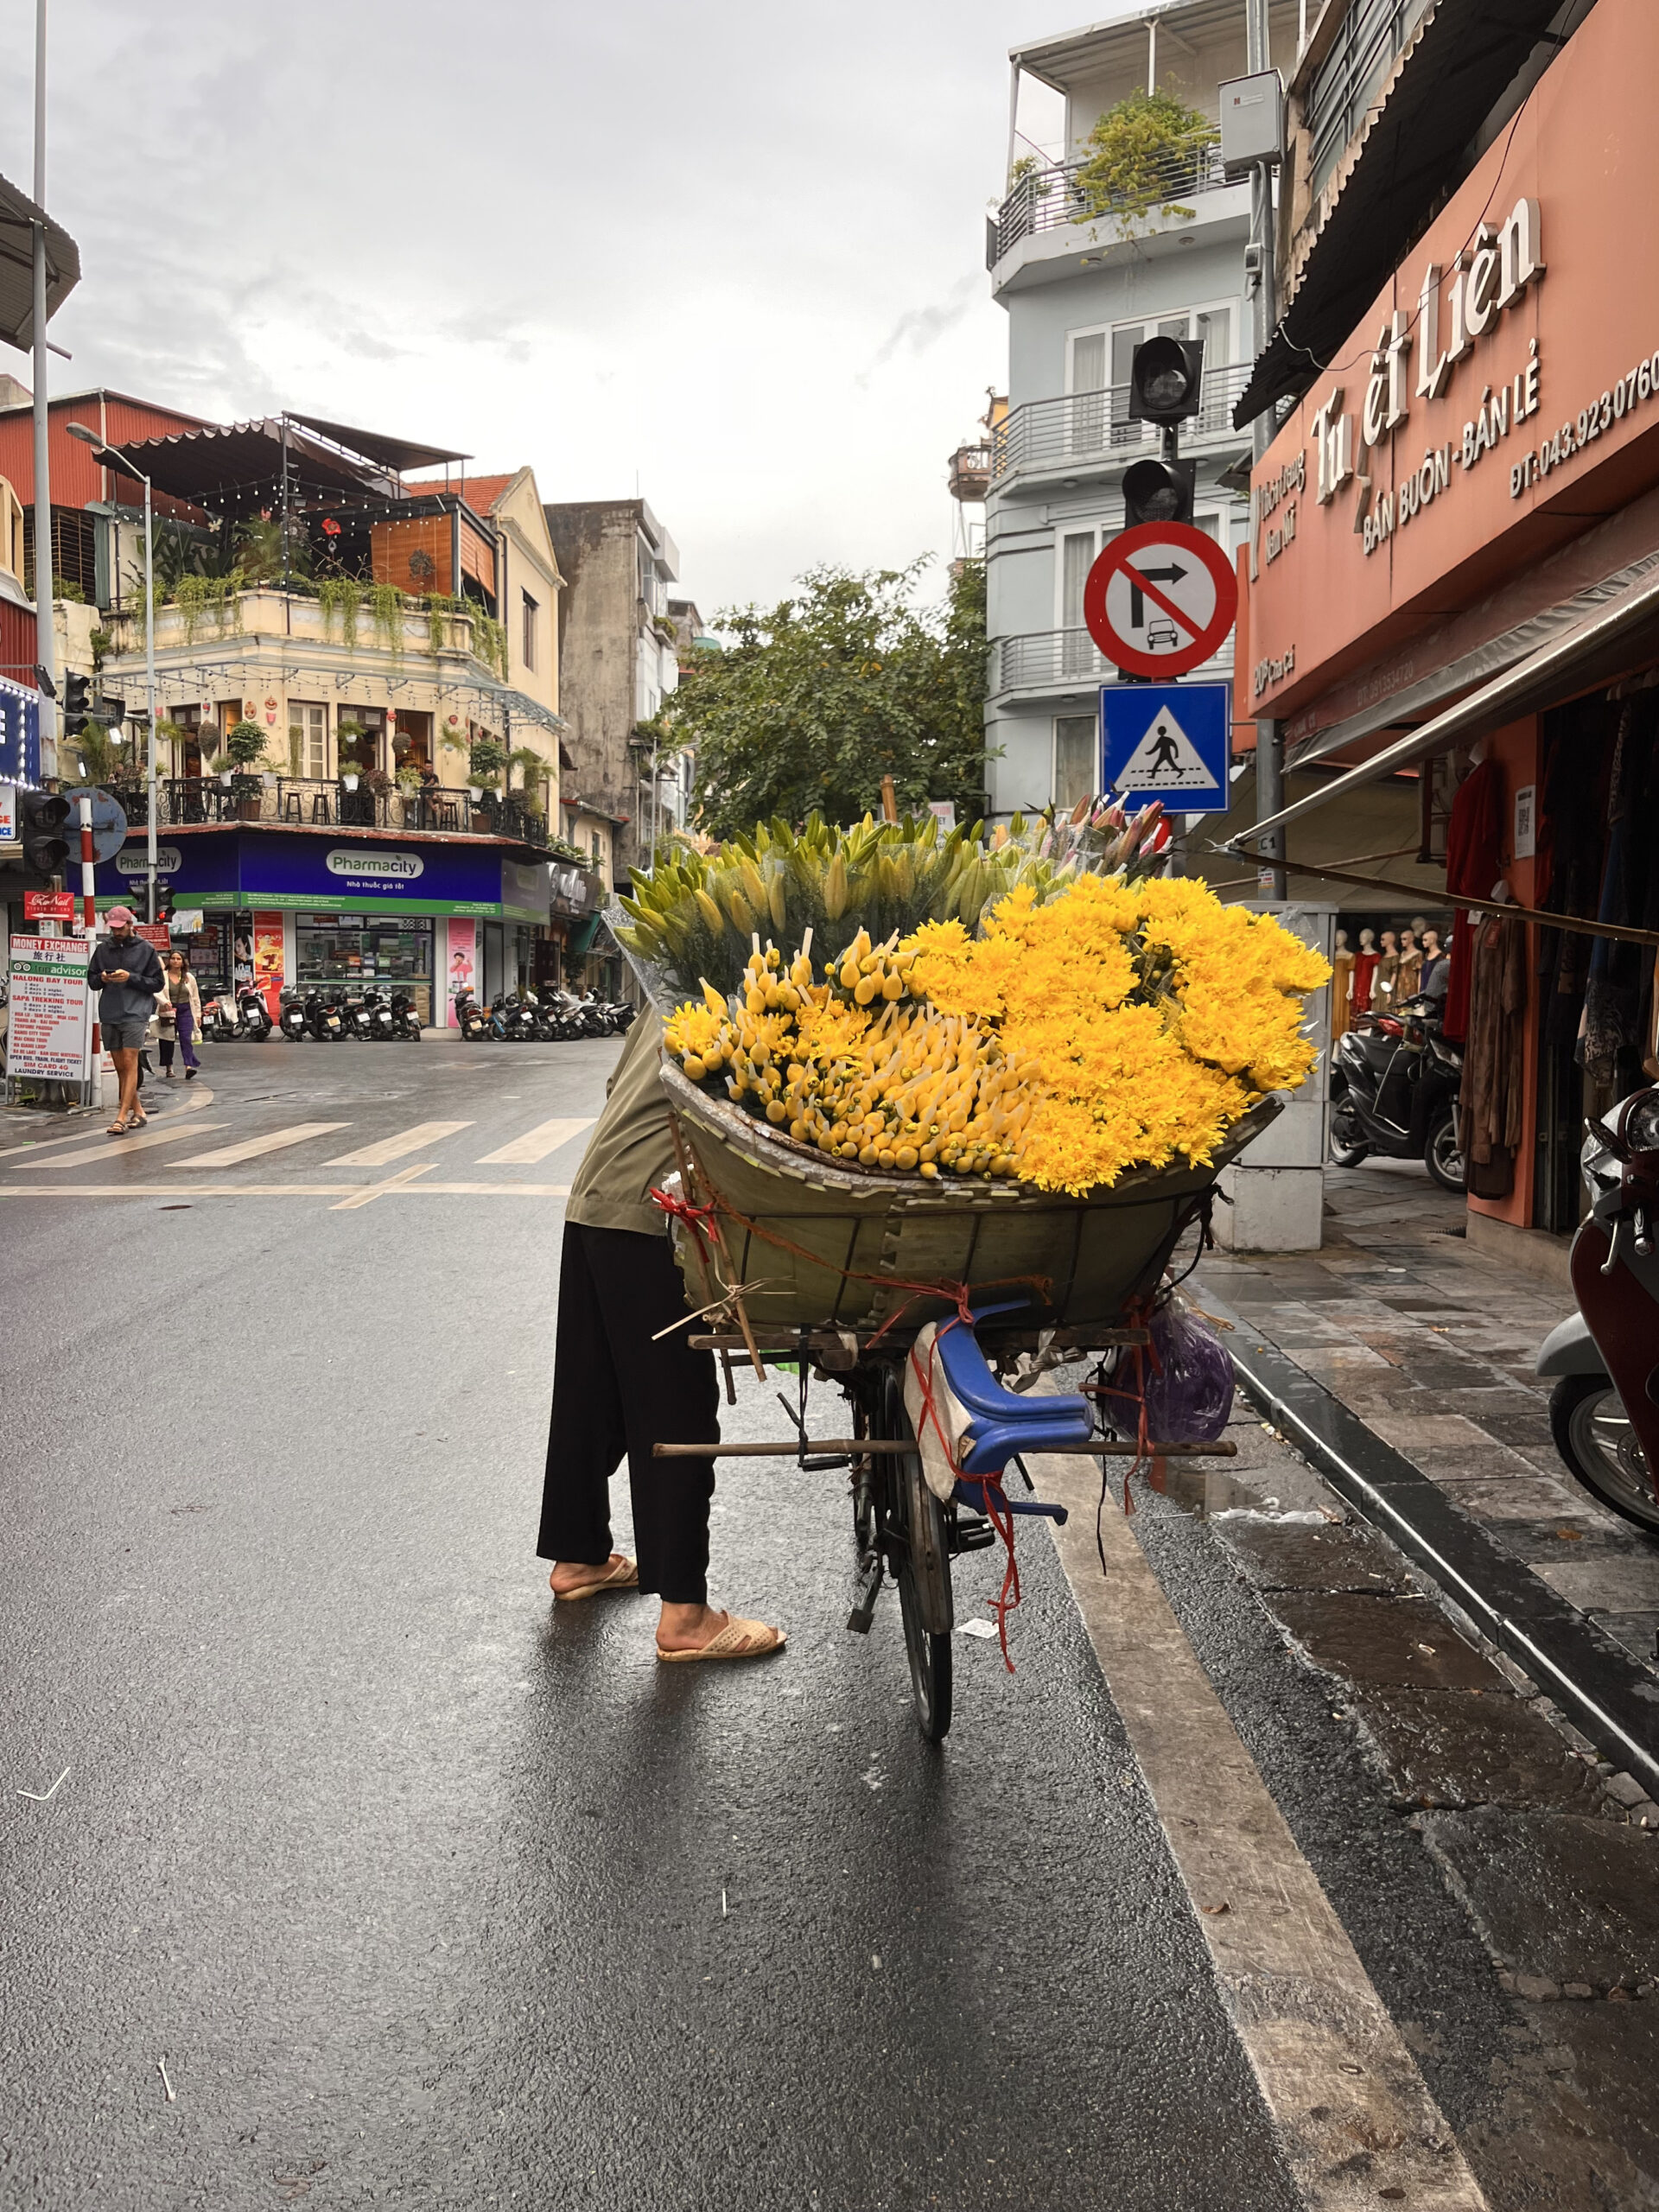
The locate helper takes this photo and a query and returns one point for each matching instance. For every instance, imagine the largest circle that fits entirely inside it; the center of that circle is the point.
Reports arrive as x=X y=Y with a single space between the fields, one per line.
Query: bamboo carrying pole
x=865 y=1446
x=1578 y=925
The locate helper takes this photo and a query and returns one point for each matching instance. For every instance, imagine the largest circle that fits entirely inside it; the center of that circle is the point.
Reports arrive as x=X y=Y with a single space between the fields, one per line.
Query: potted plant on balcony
x=245 y=744
x=1146 y=148
x=481 y=788
x=486 y=757
x=349 y=736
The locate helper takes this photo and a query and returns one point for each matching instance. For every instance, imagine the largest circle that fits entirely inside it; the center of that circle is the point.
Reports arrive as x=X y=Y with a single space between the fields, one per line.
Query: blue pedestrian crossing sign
x=1171 y=741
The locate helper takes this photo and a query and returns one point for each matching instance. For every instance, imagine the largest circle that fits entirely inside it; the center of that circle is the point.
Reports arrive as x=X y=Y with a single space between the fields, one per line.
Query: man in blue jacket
x=127 y=975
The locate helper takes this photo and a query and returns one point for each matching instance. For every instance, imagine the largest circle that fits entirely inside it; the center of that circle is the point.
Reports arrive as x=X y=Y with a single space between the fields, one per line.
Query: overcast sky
x=731 y=255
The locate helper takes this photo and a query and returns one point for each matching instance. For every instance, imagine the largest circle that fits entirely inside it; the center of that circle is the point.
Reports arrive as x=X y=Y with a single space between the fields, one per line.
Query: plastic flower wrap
x=1092 y=1027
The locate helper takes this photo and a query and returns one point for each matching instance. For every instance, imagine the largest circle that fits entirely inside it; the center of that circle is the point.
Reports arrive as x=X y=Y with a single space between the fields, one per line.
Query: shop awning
x=239 y=467
x=1595 y=650
x=399 y=454
x=1459 y=61
x=18 y=216
x=1415 y=701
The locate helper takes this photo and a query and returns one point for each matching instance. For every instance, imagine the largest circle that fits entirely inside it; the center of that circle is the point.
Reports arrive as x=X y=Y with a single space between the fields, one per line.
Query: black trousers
x=615 y=1391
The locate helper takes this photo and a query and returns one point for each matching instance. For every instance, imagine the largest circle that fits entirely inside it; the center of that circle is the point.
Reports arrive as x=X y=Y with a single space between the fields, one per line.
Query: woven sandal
x=739 y=1639
x=617 y=1575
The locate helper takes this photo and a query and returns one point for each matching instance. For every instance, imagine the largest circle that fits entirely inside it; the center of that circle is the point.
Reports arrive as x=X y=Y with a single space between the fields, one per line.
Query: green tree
x=820 y=696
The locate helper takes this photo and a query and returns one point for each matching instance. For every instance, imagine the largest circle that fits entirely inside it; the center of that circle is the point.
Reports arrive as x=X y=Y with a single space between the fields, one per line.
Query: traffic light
x=45 y=817
x=1166 y=380
x=76 y=705
x=1158 y=490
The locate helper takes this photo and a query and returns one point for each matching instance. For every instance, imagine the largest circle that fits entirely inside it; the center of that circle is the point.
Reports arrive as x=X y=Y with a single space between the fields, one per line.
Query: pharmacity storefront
x=1457 y=581
x=428 y=914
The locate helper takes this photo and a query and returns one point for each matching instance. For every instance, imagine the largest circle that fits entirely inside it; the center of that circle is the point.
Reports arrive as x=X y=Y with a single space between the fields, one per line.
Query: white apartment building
x=1082 y=289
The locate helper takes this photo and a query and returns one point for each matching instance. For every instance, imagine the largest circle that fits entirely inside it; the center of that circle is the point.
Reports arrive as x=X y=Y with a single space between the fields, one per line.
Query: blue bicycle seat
x=1004 y=1423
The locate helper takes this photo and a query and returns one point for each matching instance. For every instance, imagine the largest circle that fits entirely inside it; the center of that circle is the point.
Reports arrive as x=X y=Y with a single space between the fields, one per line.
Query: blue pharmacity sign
x=244 y=868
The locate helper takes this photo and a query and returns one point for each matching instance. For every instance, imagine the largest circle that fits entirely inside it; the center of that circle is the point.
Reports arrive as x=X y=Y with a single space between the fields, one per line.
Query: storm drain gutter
x=1605 y=1694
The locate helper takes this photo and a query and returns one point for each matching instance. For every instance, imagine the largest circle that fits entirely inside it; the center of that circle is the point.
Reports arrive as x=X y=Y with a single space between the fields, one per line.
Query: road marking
x=232 y=1155
x=371 y=1191
x=107 y=1148
x=536 y=1144
x=398 y=1148
x=280 y=1190
x=1332 y=2068
x=192 y=1103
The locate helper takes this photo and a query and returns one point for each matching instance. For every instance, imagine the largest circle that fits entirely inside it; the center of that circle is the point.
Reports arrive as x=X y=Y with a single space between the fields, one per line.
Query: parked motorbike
x=378 y=1019
x=1604 y=1410
x=254 y=1014
x=357 y=1016
x=405 y=1019
x=291 y=1017
x=323 y=1019
x=1394 y=1090
x=470 y=1018
x=220 y=1022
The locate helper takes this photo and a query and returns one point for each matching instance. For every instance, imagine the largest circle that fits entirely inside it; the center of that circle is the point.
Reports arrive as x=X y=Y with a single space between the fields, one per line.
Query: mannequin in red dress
x=1365 y=964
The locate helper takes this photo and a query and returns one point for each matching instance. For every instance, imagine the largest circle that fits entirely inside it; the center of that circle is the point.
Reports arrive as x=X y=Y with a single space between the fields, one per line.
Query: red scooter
x=1604 y=1411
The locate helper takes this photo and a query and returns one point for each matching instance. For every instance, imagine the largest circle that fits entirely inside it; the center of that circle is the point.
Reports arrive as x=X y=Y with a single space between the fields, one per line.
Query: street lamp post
x=111 y=459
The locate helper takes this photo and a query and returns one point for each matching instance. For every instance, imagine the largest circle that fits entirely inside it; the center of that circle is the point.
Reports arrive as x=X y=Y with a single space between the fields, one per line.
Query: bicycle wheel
x=918 y=1555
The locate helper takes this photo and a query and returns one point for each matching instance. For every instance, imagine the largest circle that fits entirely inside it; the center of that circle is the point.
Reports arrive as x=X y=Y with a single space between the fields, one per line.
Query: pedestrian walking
x=180 y=1015
x=625 y=1378
x=125 y=973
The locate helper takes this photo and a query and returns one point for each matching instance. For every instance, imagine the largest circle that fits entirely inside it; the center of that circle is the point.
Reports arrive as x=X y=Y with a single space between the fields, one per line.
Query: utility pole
x=46 y=644
x=1269 y=738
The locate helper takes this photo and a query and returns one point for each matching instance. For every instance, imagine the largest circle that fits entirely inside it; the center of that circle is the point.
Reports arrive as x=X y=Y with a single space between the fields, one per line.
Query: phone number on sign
x=1642 y=383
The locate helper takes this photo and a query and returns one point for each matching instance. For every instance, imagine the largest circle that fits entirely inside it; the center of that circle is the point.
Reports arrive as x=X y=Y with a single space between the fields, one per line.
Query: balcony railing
x=1086 y=427
x=309 y=802
x=1053 y=198
x=409 y=632
x=1052 y=661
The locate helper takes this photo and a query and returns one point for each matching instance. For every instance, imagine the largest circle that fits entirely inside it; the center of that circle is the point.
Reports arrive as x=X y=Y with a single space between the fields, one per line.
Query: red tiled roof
x=481 y=492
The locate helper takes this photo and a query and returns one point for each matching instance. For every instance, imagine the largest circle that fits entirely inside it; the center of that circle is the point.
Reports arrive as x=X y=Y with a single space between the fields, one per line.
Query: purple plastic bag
x=1189 y=1378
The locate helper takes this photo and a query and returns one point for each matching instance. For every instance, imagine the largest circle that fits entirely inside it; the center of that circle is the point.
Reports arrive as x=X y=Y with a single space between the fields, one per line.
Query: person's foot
x=696 y=1632
x=580 y=1579
x=190 y=1075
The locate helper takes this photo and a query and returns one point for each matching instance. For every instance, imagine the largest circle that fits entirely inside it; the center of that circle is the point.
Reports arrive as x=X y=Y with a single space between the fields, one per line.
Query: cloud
x=615 y=243
x=920 y=327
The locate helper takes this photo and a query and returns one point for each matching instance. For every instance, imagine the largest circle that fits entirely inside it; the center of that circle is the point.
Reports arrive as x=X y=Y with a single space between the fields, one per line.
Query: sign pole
x=1270 y=879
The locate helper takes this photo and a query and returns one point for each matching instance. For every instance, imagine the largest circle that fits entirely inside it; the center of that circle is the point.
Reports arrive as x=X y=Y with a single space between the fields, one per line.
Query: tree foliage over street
x=816 y=699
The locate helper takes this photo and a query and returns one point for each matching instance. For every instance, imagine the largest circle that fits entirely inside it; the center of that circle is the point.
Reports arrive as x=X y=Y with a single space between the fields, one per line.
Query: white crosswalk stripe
x=536 y=1144
x=406 y=1140
x=107 y=1148
x=232 y=1155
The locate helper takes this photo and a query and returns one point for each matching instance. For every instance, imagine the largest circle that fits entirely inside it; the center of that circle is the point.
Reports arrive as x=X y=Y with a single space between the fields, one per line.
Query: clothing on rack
x=1474 y=860
x=1492 y=1095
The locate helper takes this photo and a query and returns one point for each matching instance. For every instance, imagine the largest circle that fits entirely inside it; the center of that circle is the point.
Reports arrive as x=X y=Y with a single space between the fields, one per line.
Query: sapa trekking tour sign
x=50 y=1033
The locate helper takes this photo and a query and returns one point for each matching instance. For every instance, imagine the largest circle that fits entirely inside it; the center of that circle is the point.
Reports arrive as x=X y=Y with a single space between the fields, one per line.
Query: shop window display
x=395 y=953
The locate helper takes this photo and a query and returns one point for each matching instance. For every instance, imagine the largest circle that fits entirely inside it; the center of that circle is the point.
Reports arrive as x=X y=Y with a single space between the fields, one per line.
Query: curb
x=1605 y=1694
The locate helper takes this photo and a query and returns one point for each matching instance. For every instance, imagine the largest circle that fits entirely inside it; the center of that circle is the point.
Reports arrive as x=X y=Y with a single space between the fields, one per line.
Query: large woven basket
x=827 y=1246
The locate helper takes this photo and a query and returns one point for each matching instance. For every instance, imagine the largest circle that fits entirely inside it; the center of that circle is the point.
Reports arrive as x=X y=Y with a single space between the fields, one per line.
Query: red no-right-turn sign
x=1161 y=599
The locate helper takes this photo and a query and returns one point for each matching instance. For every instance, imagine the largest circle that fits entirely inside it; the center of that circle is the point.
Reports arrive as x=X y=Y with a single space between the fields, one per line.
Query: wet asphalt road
x=427 y=1895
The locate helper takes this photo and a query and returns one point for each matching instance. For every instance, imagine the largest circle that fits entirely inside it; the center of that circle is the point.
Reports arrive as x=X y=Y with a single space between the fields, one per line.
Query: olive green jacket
x=631 y=1150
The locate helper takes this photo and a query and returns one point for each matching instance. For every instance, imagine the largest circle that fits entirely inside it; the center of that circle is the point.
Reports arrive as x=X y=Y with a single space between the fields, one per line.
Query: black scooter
x=1394 y=1090
x=406 y=1021
x=470 y=1018
x=254 y=1014
x=1604 y=1410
